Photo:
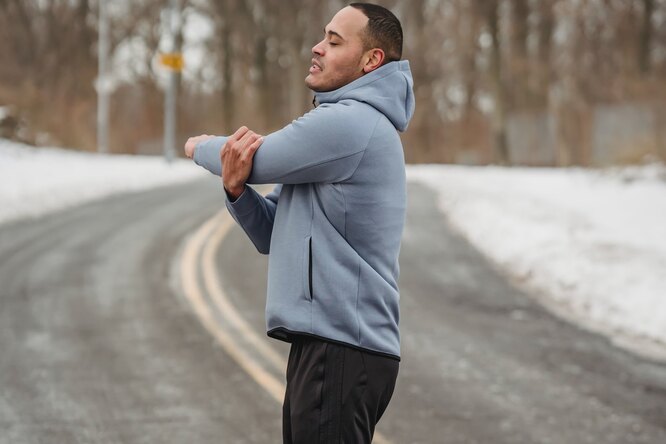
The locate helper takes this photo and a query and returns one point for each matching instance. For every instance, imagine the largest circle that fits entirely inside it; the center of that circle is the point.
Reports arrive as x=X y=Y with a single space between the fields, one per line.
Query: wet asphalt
x=98 y=345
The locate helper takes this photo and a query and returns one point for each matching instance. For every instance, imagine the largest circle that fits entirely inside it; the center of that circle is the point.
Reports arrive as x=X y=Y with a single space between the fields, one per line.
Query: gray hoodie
x=332 y=226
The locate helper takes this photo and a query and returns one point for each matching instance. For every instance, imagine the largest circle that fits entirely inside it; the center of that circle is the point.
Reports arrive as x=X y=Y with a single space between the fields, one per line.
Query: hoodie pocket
x=307 y=267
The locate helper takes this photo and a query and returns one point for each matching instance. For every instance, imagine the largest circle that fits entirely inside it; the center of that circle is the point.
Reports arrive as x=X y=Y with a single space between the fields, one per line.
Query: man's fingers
x=248 y=139
x=242 y=141
x=254 y=146
x=240 y=132
x=236 y=144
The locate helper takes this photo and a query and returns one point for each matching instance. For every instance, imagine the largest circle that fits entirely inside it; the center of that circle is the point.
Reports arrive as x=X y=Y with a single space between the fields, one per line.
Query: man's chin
x=312 y=84
x=315 y=86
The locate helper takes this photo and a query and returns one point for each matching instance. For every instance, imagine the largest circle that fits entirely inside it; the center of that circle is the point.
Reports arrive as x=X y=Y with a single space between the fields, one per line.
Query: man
x=332 y=226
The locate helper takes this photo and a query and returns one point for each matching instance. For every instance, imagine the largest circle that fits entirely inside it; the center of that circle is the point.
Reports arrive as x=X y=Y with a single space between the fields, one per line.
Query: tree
x=490 y=10
x=645 y=38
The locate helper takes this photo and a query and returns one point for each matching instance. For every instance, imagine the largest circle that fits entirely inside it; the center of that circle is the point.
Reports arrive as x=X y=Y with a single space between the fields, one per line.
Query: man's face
x=338 y=59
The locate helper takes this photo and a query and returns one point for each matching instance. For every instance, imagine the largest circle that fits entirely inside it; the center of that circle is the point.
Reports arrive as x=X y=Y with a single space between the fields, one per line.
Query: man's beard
x=337 y=83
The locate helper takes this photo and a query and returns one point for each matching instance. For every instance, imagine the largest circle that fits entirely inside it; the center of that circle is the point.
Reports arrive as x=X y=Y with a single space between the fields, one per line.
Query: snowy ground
x=35 y=181
x=591 y=245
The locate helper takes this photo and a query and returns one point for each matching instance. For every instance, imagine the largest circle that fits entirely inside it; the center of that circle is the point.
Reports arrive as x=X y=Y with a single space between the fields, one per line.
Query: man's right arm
x=256 y=214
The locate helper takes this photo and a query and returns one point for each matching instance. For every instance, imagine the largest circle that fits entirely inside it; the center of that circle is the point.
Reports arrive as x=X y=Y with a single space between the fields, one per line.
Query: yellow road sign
x=172 y=60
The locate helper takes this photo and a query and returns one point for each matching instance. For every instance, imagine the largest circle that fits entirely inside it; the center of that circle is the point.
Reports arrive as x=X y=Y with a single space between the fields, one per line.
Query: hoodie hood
x=389 y=89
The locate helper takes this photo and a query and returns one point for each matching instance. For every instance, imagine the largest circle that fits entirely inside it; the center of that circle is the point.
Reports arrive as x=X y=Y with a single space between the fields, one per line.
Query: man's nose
x=318 y=49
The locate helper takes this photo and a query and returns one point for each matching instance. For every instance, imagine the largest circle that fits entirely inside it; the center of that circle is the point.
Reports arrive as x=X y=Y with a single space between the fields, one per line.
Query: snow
x=589 y=244
x=36 y=181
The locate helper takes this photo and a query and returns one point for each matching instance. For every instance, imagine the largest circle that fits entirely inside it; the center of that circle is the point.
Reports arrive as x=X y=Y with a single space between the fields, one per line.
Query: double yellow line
x=218 y=315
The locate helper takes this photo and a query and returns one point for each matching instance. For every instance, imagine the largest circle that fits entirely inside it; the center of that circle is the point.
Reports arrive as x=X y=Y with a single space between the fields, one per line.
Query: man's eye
x=334 y=44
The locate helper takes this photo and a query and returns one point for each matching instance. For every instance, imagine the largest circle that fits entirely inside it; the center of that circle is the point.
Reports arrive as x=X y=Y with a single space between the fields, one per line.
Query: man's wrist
x=234 y=193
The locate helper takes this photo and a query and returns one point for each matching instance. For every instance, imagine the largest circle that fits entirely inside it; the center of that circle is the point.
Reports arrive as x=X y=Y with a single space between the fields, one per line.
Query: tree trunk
x=297 y=90
x=645 y=39
x=519 y=59
x=227 y=79
x=262 y=84
x=499 y=89
x=544 y=69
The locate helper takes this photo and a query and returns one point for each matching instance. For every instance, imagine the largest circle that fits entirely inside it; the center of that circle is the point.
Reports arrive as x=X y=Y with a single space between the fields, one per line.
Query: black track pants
x=335 y=394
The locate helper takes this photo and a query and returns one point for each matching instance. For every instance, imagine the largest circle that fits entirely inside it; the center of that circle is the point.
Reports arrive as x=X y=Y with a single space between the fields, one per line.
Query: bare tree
x=645 y=39
x=519 y=60
x=490 y=10
x=543 y=65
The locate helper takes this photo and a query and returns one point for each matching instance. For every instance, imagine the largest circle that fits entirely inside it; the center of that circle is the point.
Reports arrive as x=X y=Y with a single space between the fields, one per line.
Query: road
x=102 y=344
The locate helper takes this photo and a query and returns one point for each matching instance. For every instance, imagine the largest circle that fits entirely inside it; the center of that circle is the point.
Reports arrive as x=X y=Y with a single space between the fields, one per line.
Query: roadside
x=588 y=244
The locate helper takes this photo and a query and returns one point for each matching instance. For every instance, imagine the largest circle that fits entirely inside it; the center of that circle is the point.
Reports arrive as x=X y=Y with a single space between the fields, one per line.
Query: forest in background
x=536 y=82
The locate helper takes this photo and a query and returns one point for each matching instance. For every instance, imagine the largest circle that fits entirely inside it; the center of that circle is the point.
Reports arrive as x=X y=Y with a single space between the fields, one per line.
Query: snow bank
x=590 y=244
x=35 y=181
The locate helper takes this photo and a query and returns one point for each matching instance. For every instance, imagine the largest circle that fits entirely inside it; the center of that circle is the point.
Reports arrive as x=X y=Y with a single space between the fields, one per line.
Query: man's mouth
x=315 y=67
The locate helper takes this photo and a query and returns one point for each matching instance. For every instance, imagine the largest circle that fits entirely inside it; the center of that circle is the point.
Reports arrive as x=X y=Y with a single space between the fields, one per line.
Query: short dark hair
x=383 y=31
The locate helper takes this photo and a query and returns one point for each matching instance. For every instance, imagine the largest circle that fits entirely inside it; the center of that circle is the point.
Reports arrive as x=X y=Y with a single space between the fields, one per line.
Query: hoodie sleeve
x=207 y=154
x=256 y=214
x=324 y=145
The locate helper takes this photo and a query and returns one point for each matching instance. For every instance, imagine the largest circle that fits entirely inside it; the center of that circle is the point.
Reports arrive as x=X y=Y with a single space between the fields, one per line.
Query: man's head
x=359 y=39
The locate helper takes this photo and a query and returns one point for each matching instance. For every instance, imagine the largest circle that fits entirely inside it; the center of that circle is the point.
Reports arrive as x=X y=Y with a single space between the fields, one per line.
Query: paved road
x=99 y=346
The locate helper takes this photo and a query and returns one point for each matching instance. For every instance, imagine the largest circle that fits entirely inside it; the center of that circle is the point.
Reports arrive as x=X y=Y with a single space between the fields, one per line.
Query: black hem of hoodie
x=286 y=335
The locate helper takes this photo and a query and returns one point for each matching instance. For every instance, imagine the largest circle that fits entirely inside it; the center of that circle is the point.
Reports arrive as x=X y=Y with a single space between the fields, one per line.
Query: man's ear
x=373 y=60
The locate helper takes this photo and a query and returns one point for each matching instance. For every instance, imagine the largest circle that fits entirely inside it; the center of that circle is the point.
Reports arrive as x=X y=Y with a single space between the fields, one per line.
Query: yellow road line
x=220 y=299
x=193 y=293
x=209 y=237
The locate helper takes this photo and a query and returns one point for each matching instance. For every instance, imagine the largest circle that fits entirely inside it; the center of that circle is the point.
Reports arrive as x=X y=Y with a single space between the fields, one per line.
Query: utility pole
x=102 y=83
x=173 y=60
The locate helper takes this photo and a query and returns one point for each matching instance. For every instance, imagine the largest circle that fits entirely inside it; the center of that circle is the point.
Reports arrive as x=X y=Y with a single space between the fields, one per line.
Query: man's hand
x=237 y=156
x=192 y=142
